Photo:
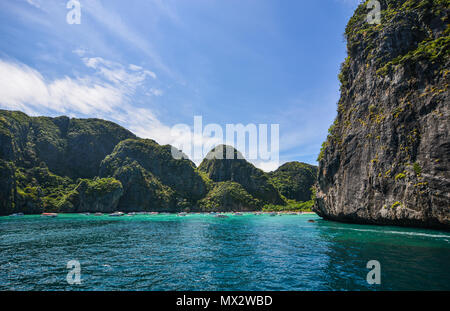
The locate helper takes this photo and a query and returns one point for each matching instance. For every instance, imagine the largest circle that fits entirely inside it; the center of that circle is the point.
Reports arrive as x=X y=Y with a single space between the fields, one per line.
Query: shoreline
x=118 y=213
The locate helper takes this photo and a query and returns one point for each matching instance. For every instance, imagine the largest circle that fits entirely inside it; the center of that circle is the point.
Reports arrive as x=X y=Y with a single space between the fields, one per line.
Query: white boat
x=16 y=215
x=181 y=214
x=49 y=214
x=221 y=216
x=116 y=214
x=98 y=214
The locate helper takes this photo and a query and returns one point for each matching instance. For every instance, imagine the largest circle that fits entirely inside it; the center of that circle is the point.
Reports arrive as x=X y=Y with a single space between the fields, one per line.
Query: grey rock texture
x=294 y=180
x=69 y=147
x=387 y=158
x=151 y=177
x=89 y=198
x=219 y=168
x=7 y=186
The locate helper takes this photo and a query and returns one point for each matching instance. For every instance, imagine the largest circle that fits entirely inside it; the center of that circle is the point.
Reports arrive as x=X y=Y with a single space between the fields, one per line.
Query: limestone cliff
x=294 y=180
x=224 y=163
x=91 y=165
x=152 y=178
x=387 y=157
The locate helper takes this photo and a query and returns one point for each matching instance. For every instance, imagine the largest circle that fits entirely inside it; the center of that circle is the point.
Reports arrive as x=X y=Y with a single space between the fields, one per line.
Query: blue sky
x=149 y=65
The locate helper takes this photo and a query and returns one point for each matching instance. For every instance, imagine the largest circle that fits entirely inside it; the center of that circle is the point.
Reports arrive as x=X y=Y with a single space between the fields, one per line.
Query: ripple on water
x=201 y=252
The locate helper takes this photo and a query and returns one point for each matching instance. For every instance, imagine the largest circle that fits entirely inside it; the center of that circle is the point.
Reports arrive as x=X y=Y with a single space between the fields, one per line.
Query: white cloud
x=135 y=67
x=126 y=79
x=34 y=3
x=114 y=22
x=267 y=166
x=156 y=92
x=150 y=73
x=26 y=89
x=80 y=52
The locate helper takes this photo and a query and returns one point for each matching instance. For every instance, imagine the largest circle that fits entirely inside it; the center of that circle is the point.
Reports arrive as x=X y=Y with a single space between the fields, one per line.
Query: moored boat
x=49 y=214
x=221 y=216
x=16 y=215
x=116 y=214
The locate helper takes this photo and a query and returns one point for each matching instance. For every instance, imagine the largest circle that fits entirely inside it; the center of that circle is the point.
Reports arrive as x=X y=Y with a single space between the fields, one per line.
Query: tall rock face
x=151 y=177
x=224 y=163
x=69 y=147
x=294 y=180
x=228 y=196
x=98 y=195
x=7 y=186
x=91 y=165
x=387 y=157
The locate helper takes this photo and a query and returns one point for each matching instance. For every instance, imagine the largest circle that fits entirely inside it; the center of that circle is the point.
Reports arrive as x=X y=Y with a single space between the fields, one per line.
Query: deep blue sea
x=201 y=252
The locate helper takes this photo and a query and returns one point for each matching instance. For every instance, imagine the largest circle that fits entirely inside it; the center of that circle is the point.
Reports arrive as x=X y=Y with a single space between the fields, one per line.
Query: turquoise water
x=200 y=252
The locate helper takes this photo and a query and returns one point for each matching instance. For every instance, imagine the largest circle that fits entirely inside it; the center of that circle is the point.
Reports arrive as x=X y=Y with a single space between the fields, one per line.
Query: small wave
x=429 y=235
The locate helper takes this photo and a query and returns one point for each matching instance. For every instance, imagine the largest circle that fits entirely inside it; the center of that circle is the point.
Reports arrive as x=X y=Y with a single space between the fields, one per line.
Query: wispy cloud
x=35 y=3
x=114 y=22
x=105 y=93
x=156 y=92
x=108 y=87
x=26 y=89
x=118 y=74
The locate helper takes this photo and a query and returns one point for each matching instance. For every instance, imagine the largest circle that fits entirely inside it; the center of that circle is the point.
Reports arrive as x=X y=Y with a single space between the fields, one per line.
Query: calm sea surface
x=201 y=252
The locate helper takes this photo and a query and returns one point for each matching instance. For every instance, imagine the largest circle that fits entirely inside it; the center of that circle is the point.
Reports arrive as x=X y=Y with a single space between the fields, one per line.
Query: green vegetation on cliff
x=398 y=16
x=292 y=206
x=218 y=167
x=229 y=196
x=294 y=180
x=68 y=147
x=91 y=165
x=389 y=143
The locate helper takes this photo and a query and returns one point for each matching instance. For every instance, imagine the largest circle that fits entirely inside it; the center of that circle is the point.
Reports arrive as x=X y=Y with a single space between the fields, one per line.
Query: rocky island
x=92 y=165
x=387 y=157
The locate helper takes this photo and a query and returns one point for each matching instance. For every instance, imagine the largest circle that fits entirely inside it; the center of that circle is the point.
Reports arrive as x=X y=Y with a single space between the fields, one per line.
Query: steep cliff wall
x=294 y=180
x=220 y=168
x=387 y=157
x=69 y=147
x=91 y=165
